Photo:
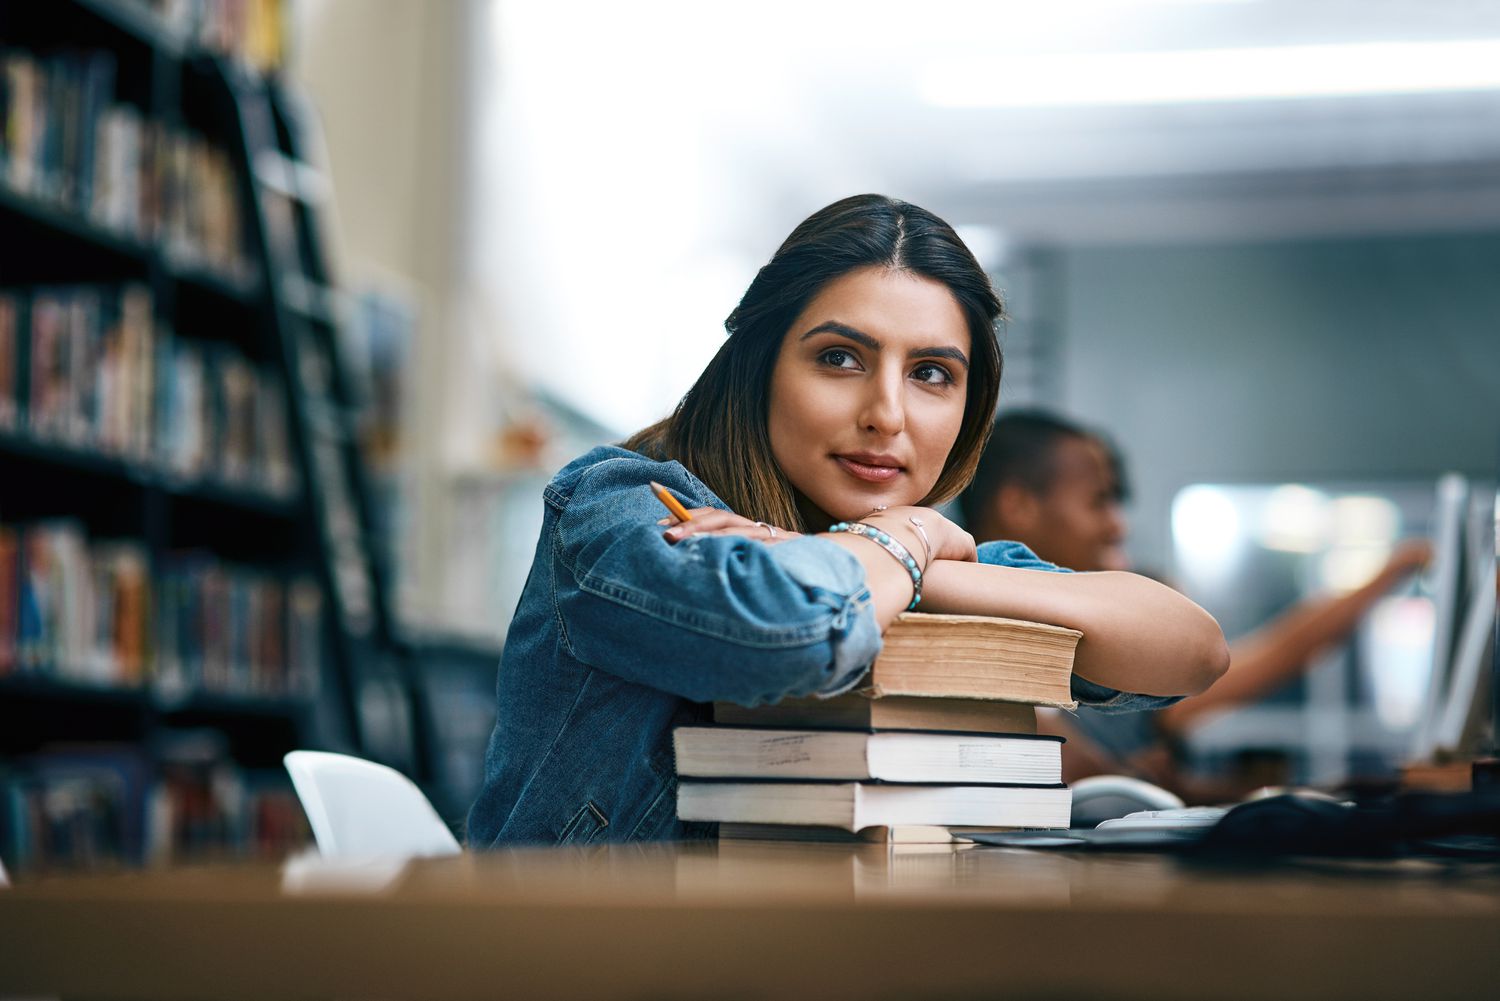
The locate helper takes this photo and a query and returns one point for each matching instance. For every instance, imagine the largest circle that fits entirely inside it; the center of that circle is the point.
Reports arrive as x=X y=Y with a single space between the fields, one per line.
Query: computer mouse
x=1106 y=797
x=1280 y=825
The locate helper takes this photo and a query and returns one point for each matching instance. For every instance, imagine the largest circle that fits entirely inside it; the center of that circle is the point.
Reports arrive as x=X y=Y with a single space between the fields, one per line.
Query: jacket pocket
x=587 y=824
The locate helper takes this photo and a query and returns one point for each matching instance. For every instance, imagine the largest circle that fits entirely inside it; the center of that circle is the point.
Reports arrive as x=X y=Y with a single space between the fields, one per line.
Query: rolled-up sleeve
x=711 y=617
x=1100 y=698
x=829 y=573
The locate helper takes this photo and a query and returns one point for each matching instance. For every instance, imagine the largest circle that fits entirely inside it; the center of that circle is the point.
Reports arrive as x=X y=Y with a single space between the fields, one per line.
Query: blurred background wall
x=1328 y=359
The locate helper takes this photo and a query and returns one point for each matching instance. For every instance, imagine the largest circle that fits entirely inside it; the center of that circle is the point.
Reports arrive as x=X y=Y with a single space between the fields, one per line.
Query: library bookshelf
x=190 y=580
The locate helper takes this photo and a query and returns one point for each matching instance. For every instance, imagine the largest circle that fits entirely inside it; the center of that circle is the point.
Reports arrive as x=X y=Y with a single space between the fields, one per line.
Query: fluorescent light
x=1295 y=520
x=1188 y=76
x=1207 y=532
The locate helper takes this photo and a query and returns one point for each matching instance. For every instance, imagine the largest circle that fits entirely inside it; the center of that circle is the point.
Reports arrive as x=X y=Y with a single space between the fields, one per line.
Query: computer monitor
x=1457 y=706
x=1494 y=644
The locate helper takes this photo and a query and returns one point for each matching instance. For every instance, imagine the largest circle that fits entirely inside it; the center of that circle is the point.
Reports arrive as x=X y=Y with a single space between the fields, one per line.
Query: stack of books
x=942 y=739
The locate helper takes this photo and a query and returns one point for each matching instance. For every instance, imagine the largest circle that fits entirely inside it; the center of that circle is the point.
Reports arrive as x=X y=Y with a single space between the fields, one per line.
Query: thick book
x=889 y=756
x=975 y=657
x=854 y=806
x=860 y=712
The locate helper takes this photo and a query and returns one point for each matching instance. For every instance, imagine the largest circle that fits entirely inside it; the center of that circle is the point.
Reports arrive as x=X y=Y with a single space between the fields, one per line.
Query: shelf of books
x=171 y=597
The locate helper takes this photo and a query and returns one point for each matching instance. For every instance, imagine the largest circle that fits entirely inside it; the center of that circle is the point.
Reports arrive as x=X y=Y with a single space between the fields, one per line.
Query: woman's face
x=867 y=396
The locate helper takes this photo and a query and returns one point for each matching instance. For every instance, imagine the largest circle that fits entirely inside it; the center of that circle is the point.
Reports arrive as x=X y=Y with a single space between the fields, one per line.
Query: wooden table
x=758 y=920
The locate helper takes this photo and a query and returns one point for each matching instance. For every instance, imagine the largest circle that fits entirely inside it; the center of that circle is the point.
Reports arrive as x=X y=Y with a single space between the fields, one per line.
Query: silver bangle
x=922 y=534
x=892 y=546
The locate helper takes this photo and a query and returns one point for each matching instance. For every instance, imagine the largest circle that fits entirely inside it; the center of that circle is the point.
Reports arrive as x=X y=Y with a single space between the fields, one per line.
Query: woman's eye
x=933 y=374
x=838 y=358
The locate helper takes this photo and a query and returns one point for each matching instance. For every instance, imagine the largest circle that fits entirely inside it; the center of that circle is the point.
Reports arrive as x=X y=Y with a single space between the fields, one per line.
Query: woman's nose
x=885 y=410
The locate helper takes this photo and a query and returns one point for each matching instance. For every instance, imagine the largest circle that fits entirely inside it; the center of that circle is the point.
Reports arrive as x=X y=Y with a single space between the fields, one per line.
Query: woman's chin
x=853 y=509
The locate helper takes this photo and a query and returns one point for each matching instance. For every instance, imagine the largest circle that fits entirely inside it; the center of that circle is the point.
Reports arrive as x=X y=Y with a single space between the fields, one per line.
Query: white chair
x=359 y=809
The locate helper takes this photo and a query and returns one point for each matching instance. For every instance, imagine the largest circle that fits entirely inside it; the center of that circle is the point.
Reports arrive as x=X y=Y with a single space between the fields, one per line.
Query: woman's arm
x=889 y=583
x=1138 y=635
x=705 y=617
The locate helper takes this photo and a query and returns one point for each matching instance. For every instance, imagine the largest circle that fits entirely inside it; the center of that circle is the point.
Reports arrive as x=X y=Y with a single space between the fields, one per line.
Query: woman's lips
x=867 y=472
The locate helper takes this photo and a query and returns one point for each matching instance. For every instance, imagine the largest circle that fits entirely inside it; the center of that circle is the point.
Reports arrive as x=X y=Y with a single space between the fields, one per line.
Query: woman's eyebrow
x=951 y=353
x=835 y=327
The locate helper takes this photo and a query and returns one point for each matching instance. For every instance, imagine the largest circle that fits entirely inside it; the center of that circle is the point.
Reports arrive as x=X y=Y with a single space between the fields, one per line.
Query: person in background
x=854 y=394
x=1060 y=489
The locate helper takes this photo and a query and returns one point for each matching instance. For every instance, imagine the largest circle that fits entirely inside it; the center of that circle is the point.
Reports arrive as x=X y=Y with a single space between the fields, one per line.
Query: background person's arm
x=1138 y=635
x=1266 y=659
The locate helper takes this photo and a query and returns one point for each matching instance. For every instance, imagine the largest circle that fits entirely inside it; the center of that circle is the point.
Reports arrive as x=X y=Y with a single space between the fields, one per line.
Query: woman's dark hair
x=719 y=430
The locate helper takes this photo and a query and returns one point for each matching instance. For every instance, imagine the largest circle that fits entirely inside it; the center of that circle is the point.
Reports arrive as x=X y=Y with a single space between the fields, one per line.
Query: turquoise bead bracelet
x=890 y=545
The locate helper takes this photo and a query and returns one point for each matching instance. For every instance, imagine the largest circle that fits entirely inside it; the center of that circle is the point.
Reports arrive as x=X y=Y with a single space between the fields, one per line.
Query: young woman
x=854 y=392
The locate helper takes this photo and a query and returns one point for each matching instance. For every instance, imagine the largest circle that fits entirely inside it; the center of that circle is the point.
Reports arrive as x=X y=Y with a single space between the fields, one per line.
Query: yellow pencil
x=673 y=505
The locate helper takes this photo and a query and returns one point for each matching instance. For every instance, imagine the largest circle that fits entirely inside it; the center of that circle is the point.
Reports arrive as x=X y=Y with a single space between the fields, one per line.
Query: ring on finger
x=769 y=530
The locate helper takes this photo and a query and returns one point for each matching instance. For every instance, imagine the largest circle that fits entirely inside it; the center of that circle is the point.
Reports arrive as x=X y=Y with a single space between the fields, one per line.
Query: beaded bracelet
x=890 y=545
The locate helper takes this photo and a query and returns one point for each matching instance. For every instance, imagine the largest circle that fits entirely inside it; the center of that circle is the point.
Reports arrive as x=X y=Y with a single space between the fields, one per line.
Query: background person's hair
x=1021 y=449
x=719 y=430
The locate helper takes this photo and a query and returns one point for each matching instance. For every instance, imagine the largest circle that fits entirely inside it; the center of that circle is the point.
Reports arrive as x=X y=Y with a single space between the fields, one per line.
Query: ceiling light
x=1241 y=74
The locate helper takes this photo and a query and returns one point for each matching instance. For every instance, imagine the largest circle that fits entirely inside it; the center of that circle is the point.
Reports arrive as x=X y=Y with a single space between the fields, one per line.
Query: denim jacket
x=619 y=637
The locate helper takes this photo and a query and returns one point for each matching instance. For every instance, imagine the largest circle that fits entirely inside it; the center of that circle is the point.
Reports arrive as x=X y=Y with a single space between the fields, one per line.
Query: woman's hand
x=948 y=541
x=713 y=521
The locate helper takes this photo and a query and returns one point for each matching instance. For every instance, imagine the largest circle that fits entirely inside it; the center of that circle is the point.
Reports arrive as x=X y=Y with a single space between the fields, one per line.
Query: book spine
x=10 y=362
x=10 y=597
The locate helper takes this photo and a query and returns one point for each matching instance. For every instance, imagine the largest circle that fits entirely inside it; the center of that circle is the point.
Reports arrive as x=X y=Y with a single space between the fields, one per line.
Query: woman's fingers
x=704 y=521
x=713 y=521
x=708 y=519
x=699 y=514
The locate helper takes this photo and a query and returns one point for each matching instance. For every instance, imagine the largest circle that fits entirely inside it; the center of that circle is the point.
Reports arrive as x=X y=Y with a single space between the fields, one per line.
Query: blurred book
x=237 y=631
x=77 y=806
x=67 y=141
x=853 y=806
x=88 y=806
x=103 y=377
x=252 y=32
x=10 y=597
x=886 y=756
x=97 y=612
x=10 y=363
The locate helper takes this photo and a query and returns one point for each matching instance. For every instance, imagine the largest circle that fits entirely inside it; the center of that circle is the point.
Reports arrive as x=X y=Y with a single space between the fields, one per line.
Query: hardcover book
x=975 y=657
x=889 y=756
x=854 y=806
